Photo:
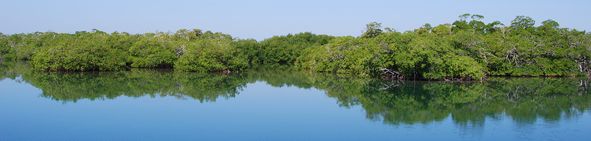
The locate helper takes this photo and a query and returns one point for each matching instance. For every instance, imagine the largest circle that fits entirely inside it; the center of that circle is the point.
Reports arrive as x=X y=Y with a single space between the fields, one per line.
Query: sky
x=260 y=19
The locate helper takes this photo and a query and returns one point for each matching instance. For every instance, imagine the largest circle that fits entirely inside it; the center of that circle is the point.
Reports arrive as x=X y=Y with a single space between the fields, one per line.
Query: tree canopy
x=466 y=49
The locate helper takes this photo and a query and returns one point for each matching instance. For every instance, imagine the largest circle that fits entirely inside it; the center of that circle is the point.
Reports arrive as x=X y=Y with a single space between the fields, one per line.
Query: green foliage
x=250 y=49
x=23 y=46
x=100 y=51
x=523 y=22
x=344 y=55
x=6 y=51
x=434 y=57
x=89 y=53
x=454 y=66
x=467 y=49
x=372 y=29
x=150 y=52
x=211 y=55
x=284 y=50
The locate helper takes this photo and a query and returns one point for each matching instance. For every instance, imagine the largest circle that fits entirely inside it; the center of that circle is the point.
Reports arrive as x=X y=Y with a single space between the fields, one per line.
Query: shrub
x=150 y=53
x=211 y=55
x=89 y=52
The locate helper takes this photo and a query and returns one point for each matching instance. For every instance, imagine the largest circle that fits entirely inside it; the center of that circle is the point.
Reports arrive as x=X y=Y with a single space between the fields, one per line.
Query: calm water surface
x=284 y=105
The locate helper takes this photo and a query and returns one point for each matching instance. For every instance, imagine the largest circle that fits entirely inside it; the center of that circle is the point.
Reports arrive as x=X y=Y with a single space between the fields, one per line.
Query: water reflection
x=524 y=100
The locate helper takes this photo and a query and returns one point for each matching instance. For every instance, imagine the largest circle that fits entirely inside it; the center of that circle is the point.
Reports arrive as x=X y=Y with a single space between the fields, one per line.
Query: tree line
x=467 y=49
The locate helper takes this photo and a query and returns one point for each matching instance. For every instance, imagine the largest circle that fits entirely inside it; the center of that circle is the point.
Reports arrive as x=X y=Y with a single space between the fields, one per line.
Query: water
x=284 y=105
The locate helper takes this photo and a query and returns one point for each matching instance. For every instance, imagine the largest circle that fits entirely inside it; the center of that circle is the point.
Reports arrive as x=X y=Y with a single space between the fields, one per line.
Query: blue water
x=285 y=111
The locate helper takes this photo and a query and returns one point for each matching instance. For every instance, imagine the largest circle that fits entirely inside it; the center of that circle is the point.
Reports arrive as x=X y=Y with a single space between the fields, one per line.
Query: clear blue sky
x=260 y=19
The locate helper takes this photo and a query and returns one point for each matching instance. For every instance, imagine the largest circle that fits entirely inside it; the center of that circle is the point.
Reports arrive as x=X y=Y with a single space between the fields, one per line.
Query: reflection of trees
x=134 y=83
x=11 y=70
x=523 y=100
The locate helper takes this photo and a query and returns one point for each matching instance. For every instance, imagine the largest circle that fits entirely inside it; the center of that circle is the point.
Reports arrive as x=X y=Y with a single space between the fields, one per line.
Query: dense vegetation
x=467 y=49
